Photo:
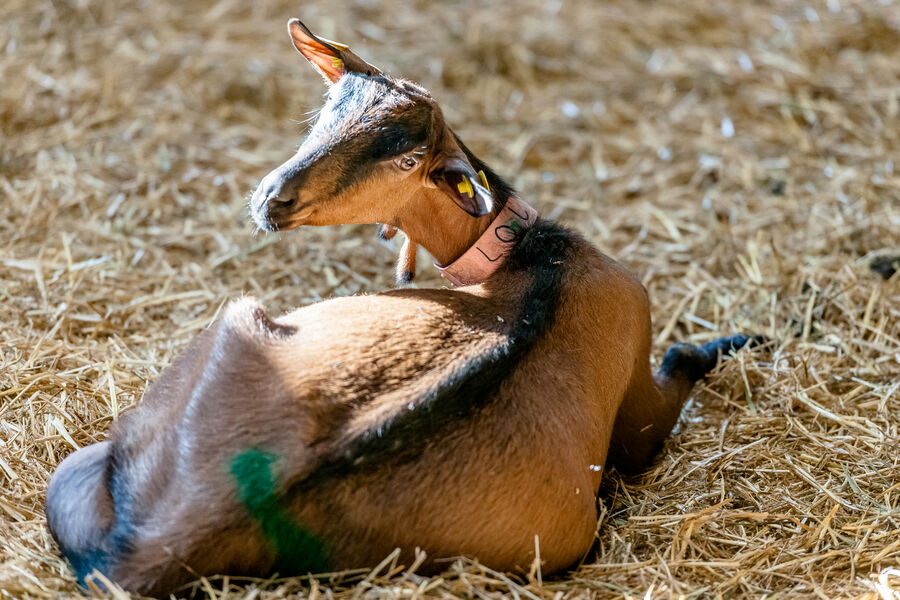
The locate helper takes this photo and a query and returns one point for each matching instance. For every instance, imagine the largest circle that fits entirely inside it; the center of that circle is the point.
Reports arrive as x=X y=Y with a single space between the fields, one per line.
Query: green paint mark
x=297 y=551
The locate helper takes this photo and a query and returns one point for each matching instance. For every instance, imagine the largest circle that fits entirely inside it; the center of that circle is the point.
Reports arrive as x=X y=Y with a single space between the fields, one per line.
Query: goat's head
x=377 y=143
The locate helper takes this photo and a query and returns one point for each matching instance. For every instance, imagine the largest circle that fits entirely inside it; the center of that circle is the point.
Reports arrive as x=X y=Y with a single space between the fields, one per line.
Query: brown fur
x=309 y=385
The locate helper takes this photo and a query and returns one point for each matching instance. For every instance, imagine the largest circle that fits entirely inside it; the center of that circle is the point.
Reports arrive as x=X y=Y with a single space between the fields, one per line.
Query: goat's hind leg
x=652 y=403
x=80 y=510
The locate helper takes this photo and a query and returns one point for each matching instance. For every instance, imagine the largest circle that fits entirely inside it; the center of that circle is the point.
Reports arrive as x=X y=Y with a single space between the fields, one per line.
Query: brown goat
x=461 y=421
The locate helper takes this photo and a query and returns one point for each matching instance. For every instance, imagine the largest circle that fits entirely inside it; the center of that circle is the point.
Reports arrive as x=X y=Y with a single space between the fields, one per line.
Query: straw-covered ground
x=741 y=157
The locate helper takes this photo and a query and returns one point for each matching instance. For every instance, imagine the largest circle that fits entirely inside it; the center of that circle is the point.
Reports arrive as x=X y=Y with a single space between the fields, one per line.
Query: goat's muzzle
x=273 y=203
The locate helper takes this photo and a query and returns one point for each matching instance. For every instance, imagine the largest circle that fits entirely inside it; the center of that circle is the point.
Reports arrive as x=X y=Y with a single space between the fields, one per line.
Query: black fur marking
x=370 y=120
x=120 y=540
x=85 y=563
x=694 y=362
x=372 y=138
x=542 y=253
x=395 y=138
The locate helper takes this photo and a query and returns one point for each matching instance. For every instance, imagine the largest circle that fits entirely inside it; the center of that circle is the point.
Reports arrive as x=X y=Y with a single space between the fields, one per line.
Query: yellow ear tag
x=484 y=180
x=465 y=187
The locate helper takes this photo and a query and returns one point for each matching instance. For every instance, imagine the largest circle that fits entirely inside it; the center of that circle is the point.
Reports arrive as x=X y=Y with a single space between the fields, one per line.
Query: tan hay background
x=742 y=157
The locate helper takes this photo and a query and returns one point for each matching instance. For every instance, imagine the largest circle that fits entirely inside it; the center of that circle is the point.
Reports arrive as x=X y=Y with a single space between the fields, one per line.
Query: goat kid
x=460 y=421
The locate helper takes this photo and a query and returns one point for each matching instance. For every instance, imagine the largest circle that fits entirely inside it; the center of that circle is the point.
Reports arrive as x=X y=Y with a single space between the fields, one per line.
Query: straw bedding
x=741 y=157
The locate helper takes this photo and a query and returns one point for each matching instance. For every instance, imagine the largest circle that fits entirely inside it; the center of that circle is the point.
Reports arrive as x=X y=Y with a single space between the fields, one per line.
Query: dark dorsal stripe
x=541 y=254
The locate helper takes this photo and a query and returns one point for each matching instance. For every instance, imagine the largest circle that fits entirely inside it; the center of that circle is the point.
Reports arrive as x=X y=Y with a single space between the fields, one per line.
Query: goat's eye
x=405 y=163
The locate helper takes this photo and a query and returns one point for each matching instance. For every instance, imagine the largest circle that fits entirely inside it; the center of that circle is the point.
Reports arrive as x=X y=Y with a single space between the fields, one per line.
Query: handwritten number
x=523 y=217
x=488 y=257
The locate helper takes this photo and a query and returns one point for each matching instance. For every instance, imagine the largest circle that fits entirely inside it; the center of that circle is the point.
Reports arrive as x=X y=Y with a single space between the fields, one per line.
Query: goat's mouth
x=286 y=222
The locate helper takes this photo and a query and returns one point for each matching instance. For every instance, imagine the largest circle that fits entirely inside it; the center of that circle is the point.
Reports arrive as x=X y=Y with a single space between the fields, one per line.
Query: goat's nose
x=271 y=195
x=275 y=198
x=278 y=200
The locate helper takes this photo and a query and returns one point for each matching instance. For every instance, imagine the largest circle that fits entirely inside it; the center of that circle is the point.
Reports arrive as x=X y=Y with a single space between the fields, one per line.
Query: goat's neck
x=434 y=222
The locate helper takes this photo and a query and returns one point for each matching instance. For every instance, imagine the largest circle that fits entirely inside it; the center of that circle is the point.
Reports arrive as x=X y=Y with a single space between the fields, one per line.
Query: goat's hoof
x=694 y=362
x=885 y=266
x=732 y=343
x=688 y=360
x=758 y=340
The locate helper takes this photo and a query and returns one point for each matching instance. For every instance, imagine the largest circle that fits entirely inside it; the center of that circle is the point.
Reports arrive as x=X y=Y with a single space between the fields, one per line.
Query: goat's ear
x=470 y=190
x=331 y=59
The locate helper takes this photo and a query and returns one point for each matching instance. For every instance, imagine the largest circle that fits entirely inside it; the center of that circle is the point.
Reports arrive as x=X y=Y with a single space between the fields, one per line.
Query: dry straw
x=741 y=157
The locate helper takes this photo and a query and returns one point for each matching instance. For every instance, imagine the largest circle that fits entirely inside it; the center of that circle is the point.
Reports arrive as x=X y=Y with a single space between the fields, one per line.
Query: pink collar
x=490 y=251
